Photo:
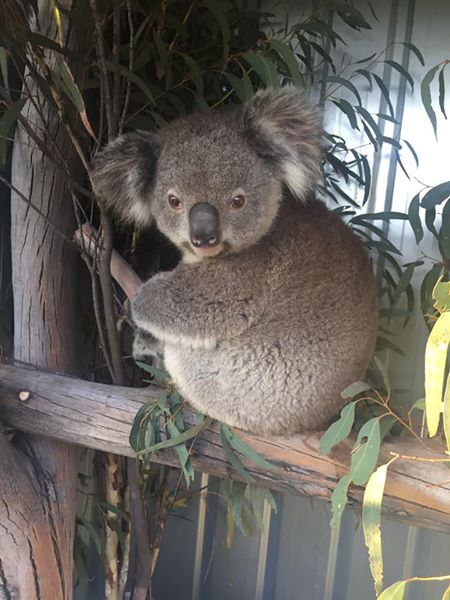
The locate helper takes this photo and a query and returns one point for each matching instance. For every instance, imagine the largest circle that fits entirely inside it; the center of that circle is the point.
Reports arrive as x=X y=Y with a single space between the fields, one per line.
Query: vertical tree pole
x=38 y=475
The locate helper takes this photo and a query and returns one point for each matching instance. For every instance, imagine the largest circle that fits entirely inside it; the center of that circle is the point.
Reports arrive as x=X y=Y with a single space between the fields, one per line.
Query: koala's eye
x=238 y=202
x=174 y=202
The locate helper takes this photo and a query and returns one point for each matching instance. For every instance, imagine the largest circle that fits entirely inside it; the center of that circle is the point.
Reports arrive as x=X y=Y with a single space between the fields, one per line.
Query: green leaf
x=338 y=430
x=245 y=449
x=396 y=591
x=4 y=67
x=367 y=75
x=385 y=92
x=384 y=374
x=364 y=458
x=415 y=50
x=441 y=296
x=401 y=69
x=436 y=195
x=264 y=68
x=371 y=122
x=195 y=71
x=339 y=500
x=288 y=57
x=446 y=595
x=414 y=218
x=435 y=361
x=388 y=215
x=138 y=423
x=154 y=371
x=6 y=126
x=446 y=413
x=182 y=452
x=215 y=8
x=442 y=91
x=354 y=389
x=371 y=517
x=183 y=437
x=348 y=110
x=444 y=232
x=344 y=83
x=233 y=459
x=426 y=289
x=425 y=92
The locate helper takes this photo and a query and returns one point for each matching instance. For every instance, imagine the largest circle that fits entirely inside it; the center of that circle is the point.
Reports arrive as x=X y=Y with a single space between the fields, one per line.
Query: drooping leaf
x=287 y=55
x=339 y=500
x=371 y=517
x=385 y=92
x=216 y=9
x=233 y=459
x=346 y=84
x=401 y=69
x=396 y=591
x=442 y=91
x=4 y=67
x=384 y=374
x=425 y=92
x=264 y=68
x=415 y=50
x=348 y=110
x=183 y=437
x=435 y=361
x=183 y=454
x=6 y=126
x=240 y=446
x=339 y=430
x=436 y=195
x=446 y=413
x=367 y=449
x=414 y=218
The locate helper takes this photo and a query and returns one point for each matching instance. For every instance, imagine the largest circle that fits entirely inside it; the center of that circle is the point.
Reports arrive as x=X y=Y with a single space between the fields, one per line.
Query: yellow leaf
x=435 y=361
x=447 y=415
x=371 y=513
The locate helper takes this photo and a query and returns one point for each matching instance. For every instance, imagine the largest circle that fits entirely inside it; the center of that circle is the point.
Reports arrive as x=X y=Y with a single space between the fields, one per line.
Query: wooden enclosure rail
x=100 y=416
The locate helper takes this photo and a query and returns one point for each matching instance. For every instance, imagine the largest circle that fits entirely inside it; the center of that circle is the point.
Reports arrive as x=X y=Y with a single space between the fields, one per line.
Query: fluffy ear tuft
x=123 y=176
x=284 y=127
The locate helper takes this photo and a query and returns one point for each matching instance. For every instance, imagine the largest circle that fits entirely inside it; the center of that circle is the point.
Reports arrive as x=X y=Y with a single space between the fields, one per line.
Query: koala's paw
x=145 y=346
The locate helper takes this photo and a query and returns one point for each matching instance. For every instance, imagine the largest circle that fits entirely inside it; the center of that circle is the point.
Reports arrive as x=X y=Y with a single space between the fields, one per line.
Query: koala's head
x=214 y=182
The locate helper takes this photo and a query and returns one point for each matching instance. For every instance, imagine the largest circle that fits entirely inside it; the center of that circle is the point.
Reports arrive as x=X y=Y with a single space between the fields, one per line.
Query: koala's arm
x=197 y=306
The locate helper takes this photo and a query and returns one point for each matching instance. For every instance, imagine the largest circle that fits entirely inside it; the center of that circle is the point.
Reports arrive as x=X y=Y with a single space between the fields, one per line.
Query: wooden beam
x=100 y=416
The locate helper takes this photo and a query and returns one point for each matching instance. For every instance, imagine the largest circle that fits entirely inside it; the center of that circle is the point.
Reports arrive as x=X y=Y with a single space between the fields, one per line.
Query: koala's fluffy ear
x=283 y=127
x=123 y=176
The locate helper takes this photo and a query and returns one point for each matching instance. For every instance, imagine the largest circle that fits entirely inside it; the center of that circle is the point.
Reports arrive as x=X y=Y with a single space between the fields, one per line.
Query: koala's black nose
x=204 y=225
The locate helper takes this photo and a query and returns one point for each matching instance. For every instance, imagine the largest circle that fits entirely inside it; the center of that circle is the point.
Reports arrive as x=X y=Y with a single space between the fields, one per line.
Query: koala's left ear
x=123 y=175
x=282 y=126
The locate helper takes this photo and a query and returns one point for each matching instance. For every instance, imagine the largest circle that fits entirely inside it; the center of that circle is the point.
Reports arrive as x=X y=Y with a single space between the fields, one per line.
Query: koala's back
x=316 y=334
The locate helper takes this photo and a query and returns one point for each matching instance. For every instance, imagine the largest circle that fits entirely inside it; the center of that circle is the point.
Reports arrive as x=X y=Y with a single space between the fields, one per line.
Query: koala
x=272 y=310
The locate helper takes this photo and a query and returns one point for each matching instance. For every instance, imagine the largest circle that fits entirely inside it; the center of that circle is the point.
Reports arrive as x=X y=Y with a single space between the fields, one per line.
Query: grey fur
x=266 y=334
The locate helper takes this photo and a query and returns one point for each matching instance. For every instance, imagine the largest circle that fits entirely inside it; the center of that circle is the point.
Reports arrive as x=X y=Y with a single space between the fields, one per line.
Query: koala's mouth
x=205 y=252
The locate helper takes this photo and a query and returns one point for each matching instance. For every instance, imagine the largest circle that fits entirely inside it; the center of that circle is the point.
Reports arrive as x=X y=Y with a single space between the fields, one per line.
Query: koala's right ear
x=123 y=176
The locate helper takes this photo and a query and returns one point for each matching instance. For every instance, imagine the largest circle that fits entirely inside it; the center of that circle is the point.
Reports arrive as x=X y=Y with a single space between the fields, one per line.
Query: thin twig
x=130 y=68
x=99 y=41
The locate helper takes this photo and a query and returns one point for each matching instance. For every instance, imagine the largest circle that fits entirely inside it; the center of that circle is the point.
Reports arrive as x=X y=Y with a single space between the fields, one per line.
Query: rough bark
x=100 y=416
x=38 y=475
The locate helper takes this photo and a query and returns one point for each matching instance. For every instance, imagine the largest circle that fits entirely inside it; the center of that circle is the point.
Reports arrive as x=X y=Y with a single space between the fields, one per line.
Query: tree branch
x=100 y=416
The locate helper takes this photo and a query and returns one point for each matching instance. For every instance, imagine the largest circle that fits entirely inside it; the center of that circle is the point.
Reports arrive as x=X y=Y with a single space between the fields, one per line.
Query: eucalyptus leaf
x=366 y=451
x=245 y=449
x=340 y=429
x=435 y=362
x=414 y=218
x=371 y=517
x=425 y=92
x=339 y=500
x=396 y=591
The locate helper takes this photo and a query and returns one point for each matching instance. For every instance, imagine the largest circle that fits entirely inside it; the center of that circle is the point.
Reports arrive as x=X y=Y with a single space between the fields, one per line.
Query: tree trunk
x=37 y=474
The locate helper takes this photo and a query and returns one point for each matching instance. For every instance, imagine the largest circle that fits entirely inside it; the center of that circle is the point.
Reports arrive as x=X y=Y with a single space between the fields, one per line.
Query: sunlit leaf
x=435 y=361
x=366 y=451
x=371 y=516
x=396 y=591
x=340 y=429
